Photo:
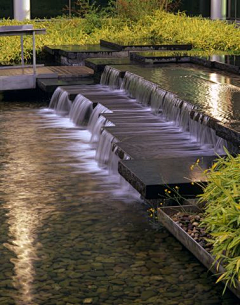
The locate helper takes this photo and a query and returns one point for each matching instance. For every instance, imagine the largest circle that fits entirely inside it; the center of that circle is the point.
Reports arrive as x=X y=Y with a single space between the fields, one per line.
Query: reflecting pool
x=70 y=234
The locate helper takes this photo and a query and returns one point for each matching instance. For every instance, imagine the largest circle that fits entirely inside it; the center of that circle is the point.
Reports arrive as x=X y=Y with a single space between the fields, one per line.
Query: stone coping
x=98 y=64
x=144 y=45
x=151 y=178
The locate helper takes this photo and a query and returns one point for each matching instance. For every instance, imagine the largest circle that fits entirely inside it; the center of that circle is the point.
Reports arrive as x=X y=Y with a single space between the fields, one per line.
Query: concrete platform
x=98 y=64
x=151 y=178
x=155 y=150
x=158 y=57
x=142 y=45
x=49 y=85
x=93 y=48
x=69 y=55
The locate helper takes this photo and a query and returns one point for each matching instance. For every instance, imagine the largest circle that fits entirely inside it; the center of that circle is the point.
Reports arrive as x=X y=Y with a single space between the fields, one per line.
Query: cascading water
x=104 y=148
x=55 y=98
x=81 y=110
x=96 y=131
x=97 y=121
x=60 y=101
x=157 y=99
x=171 y=108
x=111 y=77
x=139 y=88
x=175 y=117
x=205 y=135
x=64 y=104
x=129 y=84
x=184 y=119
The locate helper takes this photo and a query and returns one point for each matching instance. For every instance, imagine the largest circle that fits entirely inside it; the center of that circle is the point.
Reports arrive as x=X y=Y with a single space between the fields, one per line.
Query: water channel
x=72 y=234
x=213 y=92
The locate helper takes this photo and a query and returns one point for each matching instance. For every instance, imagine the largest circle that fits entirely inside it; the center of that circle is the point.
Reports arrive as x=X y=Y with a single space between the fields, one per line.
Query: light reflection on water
x=71 y=233
x=214 y=93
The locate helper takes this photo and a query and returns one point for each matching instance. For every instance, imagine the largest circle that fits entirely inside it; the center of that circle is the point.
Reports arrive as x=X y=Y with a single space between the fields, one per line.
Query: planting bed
x=179 y=221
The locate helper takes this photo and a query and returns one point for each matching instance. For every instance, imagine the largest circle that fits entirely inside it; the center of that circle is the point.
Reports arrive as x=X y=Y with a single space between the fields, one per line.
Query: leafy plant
x=158 y=27
x=137 y=9
x=81 y=8
x=222 y=215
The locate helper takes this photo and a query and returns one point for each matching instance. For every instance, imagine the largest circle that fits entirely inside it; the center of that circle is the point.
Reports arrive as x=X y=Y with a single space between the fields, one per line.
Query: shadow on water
x=71 y=235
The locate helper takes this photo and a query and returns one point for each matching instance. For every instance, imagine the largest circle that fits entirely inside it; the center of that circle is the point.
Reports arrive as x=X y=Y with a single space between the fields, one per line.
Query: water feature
x=60 y=101
x=71 y=235
x=214 y=93
x=111 y=77
x=171 y=108
x=80 y=110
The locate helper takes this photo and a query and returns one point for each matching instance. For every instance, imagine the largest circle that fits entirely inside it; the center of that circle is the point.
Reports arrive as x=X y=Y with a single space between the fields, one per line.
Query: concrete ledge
x=152 y=177
x=143 y=46
x=17 y=82
x=98 y=64
x=158 y=58
x=50 y=85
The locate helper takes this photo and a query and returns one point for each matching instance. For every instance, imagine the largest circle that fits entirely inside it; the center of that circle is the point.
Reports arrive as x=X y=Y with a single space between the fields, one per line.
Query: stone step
x=154 y=179
x=98 y=64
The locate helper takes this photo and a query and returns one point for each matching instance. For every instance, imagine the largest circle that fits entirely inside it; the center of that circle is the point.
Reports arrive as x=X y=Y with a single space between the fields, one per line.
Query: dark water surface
x=71 y=235
x=214 y=93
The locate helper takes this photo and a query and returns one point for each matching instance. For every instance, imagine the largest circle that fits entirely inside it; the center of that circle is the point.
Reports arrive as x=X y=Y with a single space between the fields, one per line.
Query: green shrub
x=222 y=215
x=137 y=9
x=159 y=27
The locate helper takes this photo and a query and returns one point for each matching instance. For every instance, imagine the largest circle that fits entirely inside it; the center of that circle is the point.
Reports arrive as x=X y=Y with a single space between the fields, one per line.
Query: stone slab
x=143 y=45
x=50 y=85
x=151 y=178
x=98 y=64
x=144 y=150
x=160 y=57
x=93 y=48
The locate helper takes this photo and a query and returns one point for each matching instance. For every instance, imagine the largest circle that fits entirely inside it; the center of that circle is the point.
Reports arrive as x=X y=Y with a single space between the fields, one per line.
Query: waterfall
x=95 y=115
x=139 y=88
x=171 y=107
x=101 y=121
x=205 y=135
x=157 y=99
x=64 y=104
x=199 y=137
x=130 y=83
x=55 y=97
x=111 y=77
x=81 y=110
x=96 y=121
x=60 y=101
x=184 y=119
x=104 y=148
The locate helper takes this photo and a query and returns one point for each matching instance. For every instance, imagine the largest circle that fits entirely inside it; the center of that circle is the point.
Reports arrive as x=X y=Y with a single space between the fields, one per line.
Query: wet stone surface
x=70 y=235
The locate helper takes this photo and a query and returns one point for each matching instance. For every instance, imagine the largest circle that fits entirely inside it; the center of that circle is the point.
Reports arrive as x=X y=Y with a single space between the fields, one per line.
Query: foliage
x=160 y=27
x=222 y=215
x=137 y=9
x=80 y=8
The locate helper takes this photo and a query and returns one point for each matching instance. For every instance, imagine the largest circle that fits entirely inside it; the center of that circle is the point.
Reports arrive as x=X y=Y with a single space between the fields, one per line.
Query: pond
x=72 y=234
